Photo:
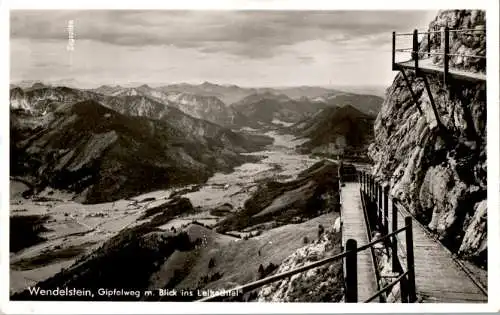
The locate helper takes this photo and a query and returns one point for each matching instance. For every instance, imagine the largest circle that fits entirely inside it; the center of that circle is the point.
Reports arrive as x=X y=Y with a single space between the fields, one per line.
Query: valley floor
x=74 y=230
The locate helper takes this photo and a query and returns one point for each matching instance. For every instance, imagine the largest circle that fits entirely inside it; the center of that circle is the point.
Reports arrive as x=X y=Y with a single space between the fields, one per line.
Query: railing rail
x=369 y=236
x=388 y=287
x=457 y=30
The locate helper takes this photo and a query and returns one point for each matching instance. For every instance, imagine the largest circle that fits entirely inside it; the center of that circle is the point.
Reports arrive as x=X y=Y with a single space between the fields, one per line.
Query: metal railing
x=407 y=278
x=378 y=197
x=444 y=51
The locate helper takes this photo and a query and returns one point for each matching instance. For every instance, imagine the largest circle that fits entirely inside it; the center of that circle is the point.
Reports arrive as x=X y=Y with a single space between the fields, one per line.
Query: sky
x=247 y=48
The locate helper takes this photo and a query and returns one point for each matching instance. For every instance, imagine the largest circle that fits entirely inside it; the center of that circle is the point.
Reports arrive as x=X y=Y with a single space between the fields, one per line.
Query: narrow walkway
x=353 y=226
x=426 y=65
x=438 y=278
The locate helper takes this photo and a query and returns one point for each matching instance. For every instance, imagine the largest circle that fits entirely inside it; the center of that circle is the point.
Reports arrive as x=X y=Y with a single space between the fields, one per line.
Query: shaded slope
x=274 y=201
x=340 y=130
x=102 y=155
x=262 y=109
x=45 y=100
x=368 y=104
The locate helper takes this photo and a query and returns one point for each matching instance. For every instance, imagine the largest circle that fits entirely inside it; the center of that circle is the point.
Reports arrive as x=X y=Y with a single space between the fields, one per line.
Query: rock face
x=439 y=172
x=322 y=284
x=471 y=43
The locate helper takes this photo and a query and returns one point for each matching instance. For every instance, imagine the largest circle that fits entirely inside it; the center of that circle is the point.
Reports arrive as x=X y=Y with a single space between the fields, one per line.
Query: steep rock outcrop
x=439 y=172
x=322 y=284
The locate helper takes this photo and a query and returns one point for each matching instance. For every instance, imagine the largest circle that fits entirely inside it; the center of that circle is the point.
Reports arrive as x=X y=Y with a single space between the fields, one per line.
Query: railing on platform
x=349 y=255
x=444 y=51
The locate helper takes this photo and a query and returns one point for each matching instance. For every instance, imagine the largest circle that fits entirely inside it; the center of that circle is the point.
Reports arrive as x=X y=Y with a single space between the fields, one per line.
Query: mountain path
x=353 y=226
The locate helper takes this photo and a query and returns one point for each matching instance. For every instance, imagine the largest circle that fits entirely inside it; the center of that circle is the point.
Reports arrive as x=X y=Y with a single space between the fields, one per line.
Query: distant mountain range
x=254 y=108
x=109 y=147
x=199 y=106
x=102 y=143
x=227 y=94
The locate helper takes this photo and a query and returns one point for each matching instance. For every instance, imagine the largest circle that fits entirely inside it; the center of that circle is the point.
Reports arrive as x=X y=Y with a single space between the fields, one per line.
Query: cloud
x=306 y=59
x=248 y=34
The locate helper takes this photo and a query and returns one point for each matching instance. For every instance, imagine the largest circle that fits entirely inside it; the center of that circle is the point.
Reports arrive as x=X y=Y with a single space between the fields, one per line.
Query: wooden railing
x=406 y=278
x=417 y=55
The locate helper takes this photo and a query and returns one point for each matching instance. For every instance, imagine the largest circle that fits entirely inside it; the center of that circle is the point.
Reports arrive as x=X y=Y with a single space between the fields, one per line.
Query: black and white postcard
x=262 y=152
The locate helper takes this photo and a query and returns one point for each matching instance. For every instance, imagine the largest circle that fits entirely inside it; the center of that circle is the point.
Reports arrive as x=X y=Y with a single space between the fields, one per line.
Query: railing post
x=446 y=52
x=428 y=44
x=393 y=51
x=370 y=191
x=412 y=295
x=351 y=265
x=374 y=188
x=380 y=212
x=386 y=209
x=367 y=185
x=394 y=244
x=363 y=181
x=374 y=196
x=404 y=290
x=415 y=51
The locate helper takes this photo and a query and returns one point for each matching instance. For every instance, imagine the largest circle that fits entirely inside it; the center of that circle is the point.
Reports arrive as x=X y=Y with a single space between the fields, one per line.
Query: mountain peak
x=38 y=85
x=208 y=84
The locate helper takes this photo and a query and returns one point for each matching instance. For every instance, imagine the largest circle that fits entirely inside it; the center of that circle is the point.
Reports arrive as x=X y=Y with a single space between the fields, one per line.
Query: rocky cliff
x=437 y=167
x=322 y=284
